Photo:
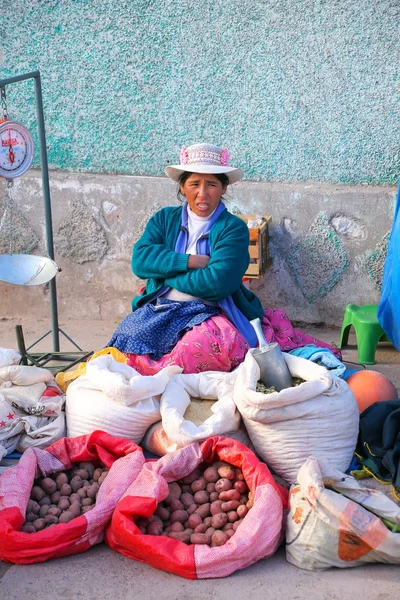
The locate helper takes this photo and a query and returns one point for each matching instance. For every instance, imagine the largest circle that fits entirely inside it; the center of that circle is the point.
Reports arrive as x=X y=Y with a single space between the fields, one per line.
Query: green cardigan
x=155 y=260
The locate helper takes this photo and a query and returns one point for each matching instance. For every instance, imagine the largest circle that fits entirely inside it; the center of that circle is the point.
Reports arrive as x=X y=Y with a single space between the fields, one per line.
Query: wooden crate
x=260 y=259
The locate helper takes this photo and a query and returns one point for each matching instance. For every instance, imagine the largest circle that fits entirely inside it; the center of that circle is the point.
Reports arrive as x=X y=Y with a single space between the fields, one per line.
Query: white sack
x=317 y=418
x=206 y=386
x=337 y=527
x=42 y=432
x=8 y=357
x=115 y=398
x=24 y=375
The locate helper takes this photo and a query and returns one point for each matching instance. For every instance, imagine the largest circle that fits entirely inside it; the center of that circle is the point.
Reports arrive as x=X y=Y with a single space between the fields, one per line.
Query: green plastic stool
x=368 y=331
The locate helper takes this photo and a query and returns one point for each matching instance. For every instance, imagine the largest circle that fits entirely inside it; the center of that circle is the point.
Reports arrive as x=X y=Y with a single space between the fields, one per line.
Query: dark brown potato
x=55 y=498
x=63 y=505
x=28 y=528
x=83 y=474
x=65 y=489
x=60 y=479
x=39 y=524
x=49 y=486
x=76 y=483
x=45 y=500
x=43 y=510
x=87 y=502
x=86 y=509
x=89 y=468
x=97 y=474
x=75 y=509
x=55 y=511
x=30 y=517
x=66 y=517
x=50 y=520
x=37 y=493
x=33 y=507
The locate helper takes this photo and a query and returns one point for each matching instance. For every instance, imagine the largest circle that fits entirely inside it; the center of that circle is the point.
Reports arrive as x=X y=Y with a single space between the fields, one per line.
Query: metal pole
x=35 y=75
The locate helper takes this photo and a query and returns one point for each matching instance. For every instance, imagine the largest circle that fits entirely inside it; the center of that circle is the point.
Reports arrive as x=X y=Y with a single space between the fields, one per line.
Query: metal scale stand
x=16 y=153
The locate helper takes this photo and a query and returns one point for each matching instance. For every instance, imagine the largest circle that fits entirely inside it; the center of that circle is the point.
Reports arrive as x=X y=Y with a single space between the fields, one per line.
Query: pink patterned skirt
x=216 y=345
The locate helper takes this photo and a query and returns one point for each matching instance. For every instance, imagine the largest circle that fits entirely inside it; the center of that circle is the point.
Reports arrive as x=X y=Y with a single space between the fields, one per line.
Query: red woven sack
x=257 y=537
x=124 y=459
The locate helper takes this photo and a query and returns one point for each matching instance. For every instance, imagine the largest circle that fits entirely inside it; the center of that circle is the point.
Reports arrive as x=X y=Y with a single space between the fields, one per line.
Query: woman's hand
x=198 y=261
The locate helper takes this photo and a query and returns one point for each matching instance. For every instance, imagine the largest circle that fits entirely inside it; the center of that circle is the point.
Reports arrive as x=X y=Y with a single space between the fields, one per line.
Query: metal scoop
x=26 y=269
x=273 y=368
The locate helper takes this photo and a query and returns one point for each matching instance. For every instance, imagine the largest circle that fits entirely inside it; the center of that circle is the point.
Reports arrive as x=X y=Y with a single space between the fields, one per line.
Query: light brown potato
x=231 y=505
x=65 y=489
x=28 y=528
x=61 y=479
x=218 y=521
x=191 y=509
x=37 y=493
x=76 y=483
x=194 y=520
x=92 y=491
x=176 y=504
x=43 y=510
x=229 y=495
x=33 y=507
x=198 y=485
x=75 y=509
x=49 y=485
x=180 y=536
x=89 y=468
x=249 y=504
x=219 y=538
x=163 y=513
x=155 y=528
x=179 y=515
x=232 y=516
x=241 y=487
x=199 y=538
x=211 y=475
x=242 y=511
x=202 y=528
x=204 y=510
x=215 y=507
x=55 y=498
x=50 y=520
x=45 y=500
x=201 y=497
x=187 y=499
x=237 y=524
x=214 y=496
x=39 y=524
x=66 y=517
x=227 y=473
x=177 y=527
x=63 y=505
x=223 y=485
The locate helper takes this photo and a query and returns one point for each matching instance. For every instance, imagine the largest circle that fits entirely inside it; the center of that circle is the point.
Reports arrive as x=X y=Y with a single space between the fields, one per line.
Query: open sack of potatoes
x=58 y=501
x=203 y=511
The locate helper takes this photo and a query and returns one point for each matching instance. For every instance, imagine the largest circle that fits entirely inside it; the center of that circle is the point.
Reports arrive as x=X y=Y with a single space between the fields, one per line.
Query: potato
x=87 y=502
x=203 y=510
x=55 y=498
x=201 y=528
x=249 y=504
x=194 y=520
x=33 y=507
x=75 y=498
x=186 y=489
x=163 y=513
x=219 y=520
x=198 y=485
x=187 y=499
x=61 y=479
x=232 y=516
x=28 y=528
x=49 y=485
x=231 y=505
x=201 y=497
x=89 y=468
x=39 y=524
x=192 y=508
x=50 y=520
x=207 y=521
x=174 y=492
x=65 y=489
x=191 y=477
x=63 y=504
x=75 y=509
x=86 y=483
x=37 y=493
x=76 y=483
x=92 y=491
x=241 y=487
x=211 y=475
x=236 y=525
x=86 y=509
x=210 y=531
x=97 y=473
x=214 y=496
x=82 y=492
x=66 y=517
x=239 y=475
x=243 y=499
x=176 y=527
x=179 y=515
x=189 y=531
x=210 y=488
x=180 y=536
x=242 y=511
x=83 y=474
x=30 y=517
x=43 y=510
x=227 y=473
x=199 y=538
x=229 y=495
x=229 y=532
x=176 y=505
x=54 y=511
x=45 y=500
x=223 y=485
x=219 y=538
x=215 y=507
x=102 y=477
x=142 y=522
x=155 y=528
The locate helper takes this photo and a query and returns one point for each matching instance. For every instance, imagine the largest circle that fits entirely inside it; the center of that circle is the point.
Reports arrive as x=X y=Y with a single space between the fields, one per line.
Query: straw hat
x=204 y=158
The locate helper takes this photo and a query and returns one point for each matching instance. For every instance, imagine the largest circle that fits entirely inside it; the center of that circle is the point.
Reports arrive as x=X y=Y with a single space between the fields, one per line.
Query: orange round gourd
x=369 y=387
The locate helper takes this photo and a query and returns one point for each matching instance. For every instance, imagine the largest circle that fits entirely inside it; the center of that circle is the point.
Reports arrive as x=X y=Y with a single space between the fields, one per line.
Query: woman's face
x=203 y=193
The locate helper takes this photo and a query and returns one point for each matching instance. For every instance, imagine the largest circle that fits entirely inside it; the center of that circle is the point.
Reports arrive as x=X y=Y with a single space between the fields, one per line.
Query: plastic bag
x=335 y=522
x=124 y=459
x=317 y=418
x=257 y=537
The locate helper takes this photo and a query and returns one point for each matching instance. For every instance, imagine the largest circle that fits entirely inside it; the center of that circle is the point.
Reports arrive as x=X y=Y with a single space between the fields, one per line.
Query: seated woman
x=195 y=311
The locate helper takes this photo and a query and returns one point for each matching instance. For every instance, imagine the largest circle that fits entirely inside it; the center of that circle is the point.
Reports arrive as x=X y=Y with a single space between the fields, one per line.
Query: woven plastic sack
x=316 y=418
x=336 y=522
x=257 y=537
x=124 y=459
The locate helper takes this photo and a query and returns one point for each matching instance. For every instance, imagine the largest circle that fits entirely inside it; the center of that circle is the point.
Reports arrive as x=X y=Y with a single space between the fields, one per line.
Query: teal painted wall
x=297 y=90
